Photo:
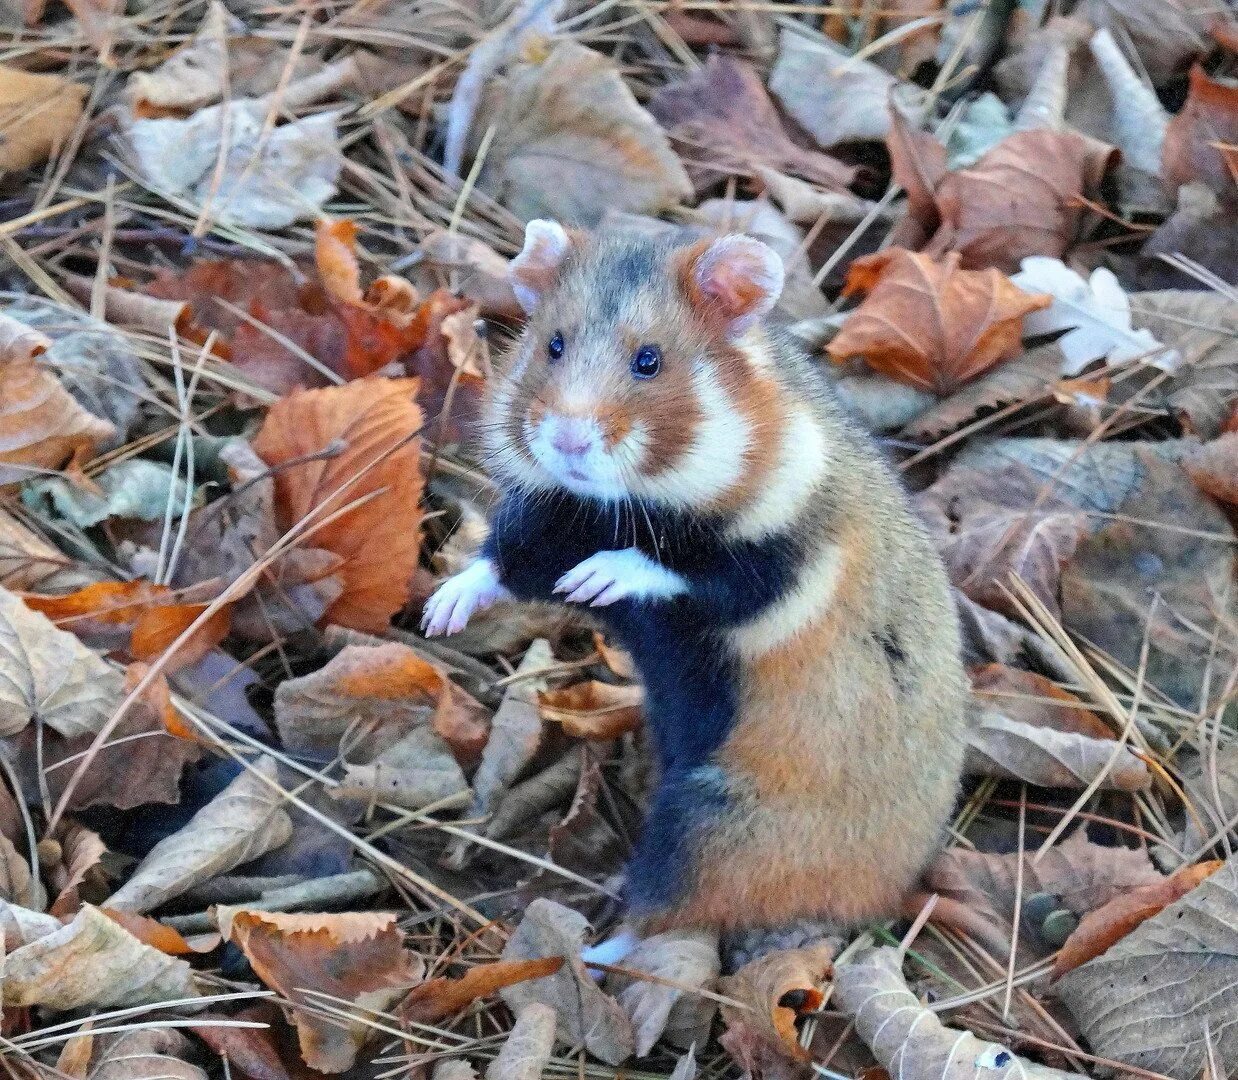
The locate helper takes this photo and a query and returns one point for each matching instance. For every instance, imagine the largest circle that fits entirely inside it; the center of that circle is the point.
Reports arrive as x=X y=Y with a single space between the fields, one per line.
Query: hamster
x=668 y=460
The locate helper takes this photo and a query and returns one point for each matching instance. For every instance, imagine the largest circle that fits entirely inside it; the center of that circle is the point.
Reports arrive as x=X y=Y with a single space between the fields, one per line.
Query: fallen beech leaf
x=17 y=885
x=336 y=258
x=908 y=1039
x=1096 y=314
x=1164 y=997
x=584 y=841
x=1047 y=757
x=1080 y=874
x=243 y=821
x=931 y=324
x=152 y=1054
x=81 y=860
x=152 y=932
x=436 y=999
x=253 y=1052
x=585 y=1014
x=92 y=962
x=722 y=114
x=764 y=983
x=1034 y=699
x=1214 y=467
x=690 y=960
x=481 y=270
x=526 y=1051
x=594 y=710
x=417 y=771
x=358 y=957
x=1201 y=142
x=545 y=791
x=38 y=113
x=47 y=673
x=41 y=425
x=377 y=421
x=1100 y=929
x=571 y=142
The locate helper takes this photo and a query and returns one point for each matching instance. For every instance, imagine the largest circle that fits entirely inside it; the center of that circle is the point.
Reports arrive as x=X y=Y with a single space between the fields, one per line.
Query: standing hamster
x=670 y=461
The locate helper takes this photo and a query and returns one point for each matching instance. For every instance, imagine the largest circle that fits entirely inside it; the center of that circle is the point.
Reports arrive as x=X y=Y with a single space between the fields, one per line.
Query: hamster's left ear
x=737 y=278
x=534 y=272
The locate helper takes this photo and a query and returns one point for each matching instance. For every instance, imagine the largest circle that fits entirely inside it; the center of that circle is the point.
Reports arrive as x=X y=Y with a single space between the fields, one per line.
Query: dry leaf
x=17 y=885
x=253 y=1052
x=438 y=998
x=690 y=960
x=776 y=989
x=930 y=323
x=909 y=1040
x=42 y=427
x=357 y=957
x=594 y=710
x=151 y=1054
x=243 y=821
x=1166 y=34
x=571 y=142
x=152 y=932
x=1201 y=142
x=38 y=113
x=1034 y=699
x=1100 y=929
x=585 y=1014
x=92 y=962
x=1165 y=996
x=481 y=271
x=1214 y=467
x=526 y=1051
x=417 y=771
x=1047 y=757
x=377 y=422
x=722 y=115
x=81 y=859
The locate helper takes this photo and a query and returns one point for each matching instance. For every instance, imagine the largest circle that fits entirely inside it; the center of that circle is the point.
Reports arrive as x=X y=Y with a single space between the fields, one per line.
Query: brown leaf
x=526 y=1051
x=776 y=989
x=687 y=959
x=1033 y=699
x=1166 y=34
x=1100 y=929
x=930 y=323
x=571 y=142
x=722 y=114
x=41 y=425
x=481 y=270
x=1201 y=142
x=81 y=860
x=594 y=710
x=17 y=885
x=417 y=771
x=253 y=1052
x=377 y=421
x=585 y=1014
x=358 y=957
x=153 y=1054
x=38 y=113
x=1214 y=467
x=439 y=998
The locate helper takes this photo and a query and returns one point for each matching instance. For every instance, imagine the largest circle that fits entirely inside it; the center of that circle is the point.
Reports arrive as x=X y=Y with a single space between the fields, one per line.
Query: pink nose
x=572 y=437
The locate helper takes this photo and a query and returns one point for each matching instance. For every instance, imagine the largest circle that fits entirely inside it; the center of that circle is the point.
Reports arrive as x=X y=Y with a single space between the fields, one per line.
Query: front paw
x=474 y=589
x=616 y=575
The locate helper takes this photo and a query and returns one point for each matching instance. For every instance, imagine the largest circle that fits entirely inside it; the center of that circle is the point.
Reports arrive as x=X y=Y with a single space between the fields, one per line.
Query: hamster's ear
x=736 y=277
x=535 y=270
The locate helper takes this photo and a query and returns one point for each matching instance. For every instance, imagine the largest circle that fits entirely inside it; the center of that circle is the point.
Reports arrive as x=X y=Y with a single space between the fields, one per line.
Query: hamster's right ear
x=535 y=270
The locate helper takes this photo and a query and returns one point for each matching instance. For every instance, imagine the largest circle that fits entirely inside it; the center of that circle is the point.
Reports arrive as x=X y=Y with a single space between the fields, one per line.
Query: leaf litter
x=252 y=284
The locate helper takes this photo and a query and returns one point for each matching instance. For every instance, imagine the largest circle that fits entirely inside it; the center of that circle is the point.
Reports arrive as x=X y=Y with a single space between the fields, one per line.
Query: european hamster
x=671 y=461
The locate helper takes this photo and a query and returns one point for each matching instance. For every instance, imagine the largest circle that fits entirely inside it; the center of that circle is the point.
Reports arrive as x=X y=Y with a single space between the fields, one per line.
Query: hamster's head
x=642 y=372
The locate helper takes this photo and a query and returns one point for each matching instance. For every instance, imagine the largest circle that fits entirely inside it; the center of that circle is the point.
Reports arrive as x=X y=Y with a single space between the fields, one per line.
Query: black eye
x=555 y=346
x=647 y=361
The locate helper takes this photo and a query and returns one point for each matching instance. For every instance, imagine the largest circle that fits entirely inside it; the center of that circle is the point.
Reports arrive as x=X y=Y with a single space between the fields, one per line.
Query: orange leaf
x=379 y=470
x=1201 y=142
x=1100 y=929
x=436 y=999
x=932 y=324
x=335 y=255
x=594 y=710
x=152 y=932
x=159 y=626
x=777 y=988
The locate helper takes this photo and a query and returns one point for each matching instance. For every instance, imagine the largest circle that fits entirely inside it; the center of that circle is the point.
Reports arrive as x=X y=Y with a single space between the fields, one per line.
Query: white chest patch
x=802 y=461
x=799 y=609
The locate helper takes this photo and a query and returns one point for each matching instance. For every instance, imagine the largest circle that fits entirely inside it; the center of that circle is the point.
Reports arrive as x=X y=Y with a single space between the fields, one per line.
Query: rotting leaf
x=776 y=989
x=358 y=957
x=243 y=821
x=1201 y=142
x=594 y=710
x=377 y=421
x=930 y=323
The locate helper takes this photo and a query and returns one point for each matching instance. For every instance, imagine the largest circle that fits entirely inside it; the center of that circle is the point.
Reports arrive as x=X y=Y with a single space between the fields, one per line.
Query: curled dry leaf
x=358 y=957
x=377 y=421
x=482 y=271
x=1164 y=997
x=526 y=1050
x=930 y=323
x=152 y=932
x=1047 y=757
x=91 y=962
x=1098 y=930
x=40 y=113
x=243 y=821
x=585 y=1014
x=436 y=999
x=1202 y=140
x=81 y=861
x=687 y=959
x=571 y=142
x=42 y=427
x=909 y=1040
x=722 y=115
x=777 y=988
x=1034 y=699
x=17 y=885
x=594 y=710
x=150 y=1054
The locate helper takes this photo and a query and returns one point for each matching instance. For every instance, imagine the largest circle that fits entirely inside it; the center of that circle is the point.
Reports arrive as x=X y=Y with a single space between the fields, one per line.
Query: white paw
x=461 y=596
x=613 y=575
x=611 y=951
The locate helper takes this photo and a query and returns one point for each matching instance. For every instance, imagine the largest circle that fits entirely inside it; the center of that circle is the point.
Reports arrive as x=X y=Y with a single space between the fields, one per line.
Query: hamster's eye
x=555 y=346
x=646 y=361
